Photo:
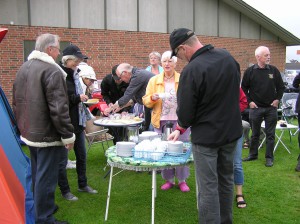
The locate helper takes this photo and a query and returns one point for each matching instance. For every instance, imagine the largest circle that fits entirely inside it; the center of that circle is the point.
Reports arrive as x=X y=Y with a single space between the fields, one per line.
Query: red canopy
x=3 y=32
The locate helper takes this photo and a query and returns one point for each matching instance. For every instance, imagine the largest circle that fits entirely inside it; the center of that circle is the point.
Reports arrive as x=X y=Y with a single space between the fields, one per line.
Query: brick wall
x=108 y=47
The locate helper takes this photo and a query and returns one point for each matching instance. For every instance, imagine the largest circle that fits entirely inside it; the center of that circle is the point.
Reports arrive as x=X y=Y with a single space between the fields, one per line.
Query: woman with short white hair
x=161 y=97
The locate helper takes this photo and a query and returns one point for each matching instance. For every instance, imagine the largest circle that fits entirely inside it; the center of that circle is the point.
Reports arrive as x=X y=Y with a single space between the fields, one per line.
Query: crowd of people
x=206 y=104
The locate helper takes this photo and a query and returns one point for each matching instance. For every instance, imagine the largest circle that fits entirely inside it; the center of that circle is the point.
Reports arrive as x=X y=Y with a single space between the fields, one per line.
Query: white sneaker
x=72 y=161
x=71 y=165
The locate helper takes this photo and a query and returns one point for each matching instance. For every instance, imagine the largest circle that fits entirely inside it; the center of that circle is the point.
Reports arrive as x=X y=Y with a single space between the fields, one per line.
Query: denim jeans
x=214 y=175
x=237 y=163
x=257 y=115
x=44 y=166
x=80 y=153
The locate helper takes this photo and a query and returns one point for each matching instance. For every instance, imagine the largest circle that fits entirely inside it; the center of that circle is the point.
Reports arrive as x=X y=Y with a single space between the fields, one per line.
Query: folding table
x=129 y=163
x=279 y=138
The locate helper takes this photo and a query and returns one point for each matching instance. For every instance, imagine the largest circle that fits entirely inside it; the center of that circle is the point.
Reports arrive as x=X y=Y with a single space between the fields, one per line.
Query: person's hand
x=174 y=135
x=107 y=111
x=275 y=103
x=155 y=97
x=253 y=105
x=83 y=97
x=115 y=107
x=69 y=146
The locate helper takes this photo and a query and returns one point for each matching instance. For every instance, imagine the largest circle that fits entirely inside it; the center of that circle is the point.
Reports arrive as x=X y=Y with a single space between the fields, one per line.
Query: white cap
x=87 y=71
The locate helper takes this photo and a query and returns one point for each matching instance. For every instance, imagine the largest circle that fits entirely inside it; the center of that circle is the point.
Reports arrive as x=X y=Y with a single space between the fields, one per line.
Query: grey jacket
x=137 y=86
x=40 y=103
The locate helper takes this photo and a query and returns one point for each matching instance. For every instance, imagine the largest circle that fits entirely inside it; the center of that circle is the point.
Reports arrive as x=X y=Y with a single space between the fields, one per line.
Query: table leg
x=153 y=195
x=108 y=193
x=279 y=140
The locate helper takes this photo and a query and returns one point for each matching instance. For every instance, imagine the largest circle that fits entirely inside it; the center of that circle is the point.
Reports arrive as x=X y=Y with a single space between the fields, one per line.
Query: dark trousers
x=80 y=153
x=257 y=115
x=214 y=176
x=147 y=117
x=44 y=167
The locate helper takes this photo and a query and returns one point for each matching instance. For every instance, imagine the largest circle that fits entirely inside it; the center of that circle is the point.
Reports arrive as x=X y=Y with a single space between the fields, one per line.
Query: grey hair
x=191 y=41
x=46 y=40
x=124 y=67
x=65 y=58
x=260 y=50
x=167 y=54
x=155 y=53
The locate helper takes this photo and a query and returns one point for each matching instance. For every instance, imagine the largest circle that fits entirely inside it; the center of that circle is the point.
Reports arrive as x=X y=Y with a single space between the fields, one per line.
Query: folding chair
x=100 y=136
x=288 y=109
x=95 y=134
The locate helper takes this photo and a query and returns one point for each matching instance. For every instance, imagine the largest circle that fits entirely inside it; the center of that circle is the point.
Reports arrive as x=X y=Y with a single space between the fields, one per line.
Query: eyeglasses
x=121 y=74
x=117 y=78
x=56 y=48
x=177 y=50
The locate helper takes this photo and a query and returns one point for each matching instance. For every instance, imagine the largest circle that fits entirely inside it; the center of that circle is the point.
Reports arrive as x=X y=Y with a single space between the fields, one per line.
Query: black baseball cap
x=178 y=36
x=114 y=74
x=74 y=50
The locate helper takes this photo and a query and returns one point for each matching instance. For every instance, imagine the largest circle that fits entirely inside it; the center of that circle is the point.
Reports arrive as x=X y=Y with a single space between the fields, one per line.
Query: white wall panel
x=267 y=35
x=181 y=14
x=249 y=28
x=122 y=15
x=49 y=13
x=229 y=21
x=206 y=17
x=87 y=14
x=15 y=11
x=153 y=16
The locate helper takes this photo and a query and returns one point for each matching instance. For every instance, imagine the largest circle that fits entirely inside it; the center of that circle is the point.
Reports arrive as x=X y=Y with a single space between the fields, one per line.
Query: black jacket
x=262 y=85
x=296 y=84
x=208 y=97
x=74 y=99
x=110 y=91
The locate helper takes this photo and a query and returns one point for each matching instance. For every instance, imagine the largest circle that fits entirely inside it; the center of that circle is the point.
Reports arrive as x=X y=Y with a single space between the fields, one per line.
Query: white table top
x=278 y=127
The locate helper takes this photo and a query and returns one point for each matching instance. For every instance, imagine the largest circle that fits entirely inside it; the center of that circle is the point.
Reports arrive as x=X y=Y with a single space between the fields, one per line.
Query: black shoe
x=249 y=158
x=55 y=209
x=269 y=162
x=60 y=222
x=297 y=169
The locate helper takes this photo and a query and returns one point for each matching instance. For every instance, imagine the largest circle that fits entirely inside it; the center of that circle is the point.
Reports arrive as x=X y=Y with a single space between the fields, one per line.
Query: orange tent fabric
x=12 y=194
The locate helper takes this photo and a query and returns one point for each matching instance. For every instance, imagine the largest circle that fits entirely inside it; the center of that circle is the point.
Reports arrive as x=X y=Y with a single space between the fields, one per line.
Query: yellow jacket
x=156 y=85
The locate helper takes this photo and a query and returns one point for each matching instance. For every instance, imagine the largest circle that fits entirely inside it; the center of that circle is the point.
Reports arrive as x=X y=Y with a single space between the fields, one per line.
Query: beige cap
x=87 y=71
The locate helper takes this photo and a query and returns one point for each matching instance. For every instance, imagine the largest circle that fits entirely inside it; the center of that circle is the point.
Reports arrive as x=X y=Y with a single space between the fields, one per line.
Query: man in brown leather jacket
x=40 y=105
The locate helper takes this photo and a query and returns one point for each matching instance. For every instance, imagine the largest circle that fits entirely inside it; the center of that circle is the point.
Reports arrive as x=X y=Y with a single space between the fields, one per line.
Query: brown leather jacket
x=40 y=103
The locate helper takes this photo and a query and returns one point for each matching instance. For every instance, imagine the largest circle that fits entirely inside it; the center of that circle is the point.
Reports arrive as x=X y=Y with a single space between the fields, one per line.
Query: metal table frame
x=279 y=138
x=145 y=168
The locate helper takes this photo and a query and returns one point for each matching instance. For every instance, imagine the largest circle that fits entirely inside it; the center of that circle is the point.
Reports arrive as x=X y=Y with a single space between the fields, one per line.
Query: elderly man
x=208 y=102
x=40 y=104
x=263 y=86
x=138 y=80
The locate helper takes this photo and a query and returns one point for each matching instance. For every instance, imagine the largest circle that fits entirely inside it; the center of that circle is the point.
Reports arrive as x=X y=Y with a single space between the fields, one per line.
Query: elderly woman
x=161 y=97
x=87 y=78
x=154 y=67
x=79 y=114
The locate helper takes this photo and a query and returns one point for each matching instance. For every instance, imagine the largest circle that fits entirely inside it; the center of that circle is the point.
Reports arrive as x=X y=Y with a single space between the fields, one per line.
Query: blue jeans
x=80 y=153
x=257 y=115
x=237 y=163
x=214 y=174
x=44 y=166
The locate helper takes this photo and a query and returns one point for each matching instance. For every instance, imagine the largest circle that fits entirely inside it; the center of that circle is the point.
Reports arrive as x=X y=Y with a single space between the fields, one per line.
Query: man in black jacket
x=112 y=89
x=208 y=102
x=262 y=83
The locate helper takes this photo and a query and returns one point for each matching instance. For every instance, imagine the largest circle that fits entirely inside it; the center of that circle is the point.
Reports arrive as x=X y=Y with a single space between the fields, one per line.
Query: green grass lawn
x=272 y=194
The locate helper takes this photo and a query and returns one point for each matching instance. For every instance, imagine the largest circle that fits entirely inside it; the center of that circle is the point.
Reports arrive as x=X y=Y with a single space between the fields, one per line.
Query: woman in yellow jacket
x=161 y=97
